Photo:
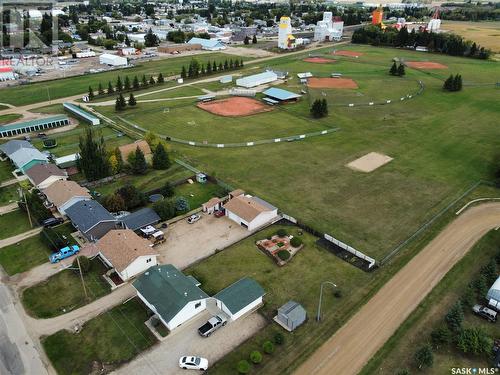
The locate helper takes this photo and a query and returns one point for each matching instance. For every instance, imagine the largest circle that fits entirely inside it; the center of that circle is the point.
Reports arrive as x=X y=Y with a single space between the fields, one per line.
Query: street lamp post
x=318 y=317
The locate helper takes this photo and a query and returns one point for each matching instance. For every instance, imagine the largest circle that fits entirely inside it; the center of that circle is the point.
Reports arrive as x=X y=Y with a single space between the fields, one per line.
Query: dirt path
x=9 y=182
x=348 y=350
x=19 y=237
x=8 y=208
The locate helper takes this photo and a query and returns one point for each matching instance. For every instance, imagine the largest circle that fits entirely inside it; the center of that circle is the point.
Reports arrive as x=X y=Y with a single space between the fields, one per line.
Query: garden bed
x=281 y=247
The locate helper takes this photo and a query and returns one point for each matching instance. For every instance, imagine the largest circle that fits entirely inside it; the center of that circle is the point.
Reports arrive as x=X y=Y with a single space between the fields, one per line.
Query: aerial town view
x=257 y=187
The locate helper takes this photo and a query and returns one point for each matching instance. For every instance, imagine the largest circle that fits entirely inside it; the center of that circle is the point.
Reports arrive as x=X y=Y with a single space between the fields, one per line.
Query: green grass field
x=13 y=223
x=38 y=92
x=109 y=340
x=24 y=255
x=8 y=194
x=6 y=171
x=11 y=117
x=398 y=352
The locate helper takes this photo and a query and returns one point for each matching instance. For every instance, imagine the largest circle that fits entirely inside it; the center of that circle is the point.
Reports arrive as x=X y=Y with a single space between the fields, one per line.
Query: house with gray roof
x=91 y=219
x=22 y=154
x=172 y=296
x=240 y=298
x=140 y=218
x=291 y=315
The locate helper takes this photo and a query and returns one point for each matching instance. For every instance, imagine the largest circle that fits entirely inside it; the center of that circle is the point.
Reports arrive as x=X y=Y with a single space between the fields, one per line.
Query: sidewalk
x=15 y=239
x=8 y=208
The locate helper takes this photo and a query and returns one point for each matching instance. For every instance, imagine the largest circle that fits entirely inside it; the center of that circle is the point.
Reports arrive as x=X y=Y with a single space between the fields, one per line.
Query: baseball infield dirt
x=348 y=53
x=319 y=60
x=369 y=162
x=348 y=350
x=425 y=65
x=234 y=107
x=331 y=83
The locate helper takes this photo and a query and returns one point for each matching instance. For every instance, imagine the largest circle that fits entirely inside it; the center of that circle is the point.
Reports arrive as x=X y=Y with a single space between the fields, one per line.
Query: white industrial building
x=285 y=38
x=328 y=29
x=257 y=79
x=208 y=44
x=112 y=60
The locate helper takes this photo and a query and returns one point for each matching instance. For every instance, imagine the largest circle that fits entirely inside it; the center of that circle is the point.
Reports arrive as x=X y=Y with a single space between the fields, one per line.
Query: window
x=197 y=305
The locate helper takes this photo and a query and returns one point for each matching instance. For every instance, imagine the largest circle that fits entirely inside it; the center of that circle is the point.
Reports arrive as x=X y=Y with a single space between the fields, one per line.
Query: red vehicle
x=220 y=213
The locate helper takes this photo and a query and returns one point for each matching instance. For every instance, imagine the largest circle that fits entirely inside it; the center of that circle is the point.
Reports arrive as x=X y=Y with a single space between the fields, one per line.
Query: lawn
x=6 y=171
x=38 y=92
x=13 y=223
x=63 y=292
x=23 y=256
x=441 y=143
x=299 y=280
x=487 y=34
x=8 y=193
x=110 y=339
x=197 y=193
x=174 y=93
x=398 y=352
x=11 y=117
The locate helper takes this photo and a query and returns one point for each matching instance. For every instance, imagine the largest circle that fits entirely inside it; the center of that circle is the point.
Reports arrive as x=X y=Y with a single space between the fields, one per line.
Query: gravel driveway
x=189 y=243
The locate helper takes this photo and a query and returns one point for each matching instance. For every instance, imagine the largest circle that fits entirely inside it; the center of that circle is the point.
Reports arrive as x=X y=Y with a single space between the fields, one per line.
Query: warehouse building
x=81 y=114
x=19 y=128
x=112 y=60
x=208 y=44
x=275 y=96
x=257 y=79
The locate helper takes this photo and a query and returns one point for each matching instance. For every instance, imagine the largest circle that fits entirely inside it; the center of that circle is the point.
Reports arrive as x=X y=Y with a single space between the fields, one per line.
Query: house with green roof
x=172 y=296
x=240 y=298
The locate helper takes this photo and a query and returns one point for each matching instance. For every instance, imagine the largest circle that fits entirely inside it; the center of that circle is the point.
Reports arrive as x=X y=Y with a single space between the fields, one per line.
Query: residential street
x=348 y=350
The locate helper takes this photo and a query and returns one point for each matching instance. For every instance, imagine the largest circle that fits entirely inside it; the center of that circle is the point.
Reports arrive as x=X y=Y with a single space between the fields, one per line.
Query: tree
x=474 y=340
x=110 y=88
x=144 y=81
x=183 y=72
x=256 y=357
x=138 y=162
x=209 y=67
x=152 y=80
x=119 y=84
x=181 y=204
x=394 y=69
x=214 y=67
x=113 y=164
x=441 y=336
x=131 y=100
x=160 y=157
x=165 y=209
x=220 y=67
x=93 y=158
x=160 y=78
x=226 y=65
x=84 y=262
x=319 y=108
x=168 y=190
x=455 y=317
x=132 y=196
x=254 y=39
x=100 y=90
x=448 y=83
x=120 y=103
x=114 y=203
x=401 y=70
x=490 y=272
x=241 y=63
x=150 y=39
x=126 y=85
x=135 y=83
x=246 y=40
x=424 y=356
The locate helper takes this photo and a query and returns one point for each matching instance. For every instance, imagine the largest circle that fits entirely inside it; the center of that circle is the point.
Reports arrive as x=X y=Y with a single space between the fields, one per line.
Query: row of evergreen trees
x=397 y=70
x=446 y=43
x=126 y=85
x=121 y=103
x=453 y=83
x=196 y=69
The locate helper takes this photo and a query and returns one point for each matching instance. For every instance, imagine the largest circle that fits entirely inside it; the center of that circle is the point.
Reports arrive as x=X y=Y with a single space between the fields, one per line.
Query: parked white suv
x=193 y=363
x=485 y=313
x=193 y=219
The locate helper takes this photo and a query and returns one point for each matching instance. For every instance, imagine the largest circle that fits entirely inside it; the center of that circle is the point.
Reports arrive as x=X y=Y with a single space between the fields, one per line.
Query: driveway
x=188 y=243
x=163 y=358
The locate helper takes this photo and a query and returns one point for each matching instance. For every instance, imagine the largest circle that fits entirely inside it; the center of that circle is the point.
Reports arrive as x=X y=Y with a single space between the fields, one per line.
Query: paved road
x=18 y=354
x=348 y=350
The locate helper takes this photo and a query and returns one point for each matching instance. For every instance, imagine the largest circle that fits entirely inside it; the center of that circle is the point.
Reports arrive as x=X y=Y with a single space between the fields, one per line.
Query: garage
x=240 y=298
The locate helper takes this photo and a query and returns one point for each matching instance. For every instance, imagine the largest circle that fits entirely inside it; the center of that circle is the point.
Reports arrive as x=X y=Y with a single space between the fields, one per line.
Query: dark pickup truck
x=213 y=324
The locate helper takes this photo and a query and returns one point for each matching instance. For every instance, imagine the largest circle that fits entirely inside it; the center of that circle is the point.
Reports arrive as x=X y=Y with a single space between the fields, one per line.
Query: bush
x=455 y=317
x=268 y=347
x=337 y=293
x=441 y=336
x=181 y=204
x=296 y=241
x=424 y=357
x=283 y=255
x=256 y=357
x=281 y=232
x=474 y=340
x=243 y=367
x=165 y=209
x=167 y=190
x=279 y=339
x=85 y=264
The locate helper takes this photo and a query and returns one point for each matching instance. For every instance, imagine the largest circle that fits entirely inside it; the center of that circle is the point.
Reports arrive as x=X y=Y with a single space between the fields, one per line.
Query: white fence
x=359 y=254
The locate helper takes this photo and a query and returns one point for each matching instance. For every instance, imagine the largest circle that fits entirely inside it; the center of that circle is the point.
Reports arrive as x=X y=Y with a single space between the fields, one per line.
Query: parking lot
x=187 y=243
x=163 y=358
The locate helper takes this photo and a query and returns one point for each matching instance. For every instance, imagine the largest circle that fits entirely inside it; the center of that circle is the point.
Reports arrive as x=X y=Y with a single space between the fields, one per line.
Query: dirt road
x=348 y=350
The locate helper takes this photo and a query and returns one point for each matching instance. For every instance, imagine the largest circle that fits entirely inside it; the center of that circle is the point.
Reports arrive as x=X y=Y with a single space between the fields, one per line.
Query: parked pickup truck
x=65 y=252
x=485 y=313
x=213 y=324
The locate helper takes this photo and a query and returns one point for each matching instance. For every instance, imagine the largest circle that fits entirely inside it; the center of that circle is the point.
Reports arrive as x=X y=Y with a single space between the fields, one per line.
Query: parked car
x=220 y=213
x=64 y=253
x=53 y=221
x=193 y=363
x=42 y=135
x=193 y=218
x=213 y=324
x=485 y=313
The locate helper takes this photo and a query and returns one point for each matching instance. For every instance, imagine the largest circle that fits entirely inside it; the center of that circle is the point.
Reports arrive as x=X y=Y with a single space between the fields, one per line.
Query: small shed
x=201 y=178
x=291 y=315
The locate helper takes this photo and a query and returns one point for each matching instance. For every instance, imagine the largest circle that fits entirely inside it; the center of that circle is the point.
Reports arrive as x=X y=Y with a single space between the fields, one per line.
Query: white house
x=214 y=204
x=112 y=60
x=240 y=298
x=63 y=194
x=126 y=252
x=250 y=212
x=44 y=175
x=172 y=296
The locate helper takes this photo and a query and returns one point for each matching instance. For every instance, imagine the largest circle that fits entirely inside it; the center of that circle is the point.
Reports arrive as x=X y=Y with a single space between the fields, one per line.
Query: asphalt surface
x=352 y=346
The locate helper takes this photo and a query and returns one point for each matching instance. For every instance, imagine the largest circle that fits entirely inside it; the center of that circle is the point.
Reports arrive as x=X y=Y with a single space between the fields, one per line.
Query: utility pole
x=27 y=208
x=81 y=277
x=318 y=316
